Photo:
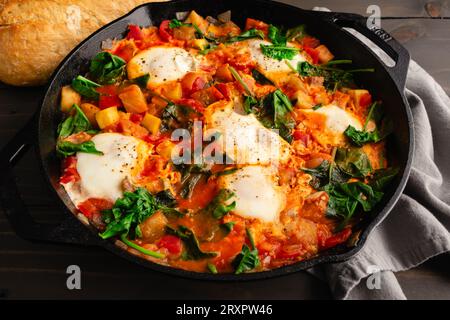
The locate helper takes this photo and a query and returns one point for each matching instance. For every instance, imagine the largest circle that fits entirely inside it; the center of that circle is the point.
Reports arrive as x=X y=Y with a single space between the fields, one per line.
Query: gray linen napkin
x=418 y=226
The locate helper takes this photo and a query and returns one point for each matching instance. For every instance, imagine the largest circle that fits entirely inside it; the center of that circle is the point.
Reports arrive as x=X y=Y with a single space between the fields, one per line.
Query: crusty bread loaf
x=35 y=35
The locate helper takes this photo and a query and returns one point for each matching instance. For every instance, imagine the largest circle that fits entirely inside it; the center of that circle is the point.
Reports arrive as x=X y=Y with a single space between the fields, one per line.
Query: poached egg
x=270 y=65
x=242 y=137
x=329 y=122
x=256 y=192
x=163 y=64
x=102 y=176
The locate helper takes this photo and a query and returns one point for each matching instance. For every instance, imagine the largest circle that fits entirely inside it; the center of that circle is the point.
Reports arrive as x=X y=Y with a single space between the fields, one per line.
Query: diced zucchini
x=196 y=19
x=200 y=44
x=172 y=91
x=69 y=97
x=153 y=227
x=151 y=123
x=107 y=117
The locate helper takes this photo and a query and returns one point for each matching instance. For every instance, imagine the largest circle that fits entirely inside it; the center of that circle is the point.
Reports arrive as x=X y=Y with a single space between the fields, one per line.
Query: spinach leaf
x=165 y=198
x=279 y=52
x=66 y=148
x=133 y=245
x=384 y=127
x=128 y=212
x=249 y=103
x=248 y=258
x=273 y=111
x=276 y=36
x=85 y=87
x=188 y=185
x=317 y=106
x=249 y=34
x=333 y=78
x=326 y=173
x=279 y=49
x=210 y=47
x=261 y=78
x=239 y=79
x=192 y=246
x=382 y=177
x=282 y=120
x=78 y=122
x=353 y=162
x=296 y=33
x=218 y=206
x=360 y=138
x=142 y=81
x=175 y=23
x=212 y=268
x=345 y=198
x=107 y=68
x=190 y=176
x=228 y=226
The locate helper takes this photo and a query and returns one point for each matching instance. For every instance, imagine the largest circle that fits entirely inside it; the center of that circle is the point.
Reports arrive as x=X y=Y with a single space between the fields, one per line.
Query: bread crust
x=35 y=35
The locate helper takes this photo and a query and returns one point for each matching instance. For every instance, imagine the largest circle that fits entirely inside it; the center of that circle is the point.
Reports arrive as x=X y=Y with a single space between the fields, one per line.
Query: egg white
x=163 y=64
x=337 y=120
x=256 y=192
x=101 y=176
x=243 y=138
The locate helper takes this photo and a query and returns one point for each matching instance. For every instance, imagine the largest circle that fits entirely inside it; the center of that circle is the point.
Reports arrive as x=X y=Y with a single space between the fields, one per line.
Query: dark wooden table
x=38 y=270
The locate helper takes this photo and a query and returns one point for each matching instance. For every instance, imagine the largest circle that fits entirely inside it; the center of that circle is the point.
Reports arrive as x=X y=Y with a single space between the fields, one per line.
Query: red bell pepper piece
x=134 y=32
x=164 y=31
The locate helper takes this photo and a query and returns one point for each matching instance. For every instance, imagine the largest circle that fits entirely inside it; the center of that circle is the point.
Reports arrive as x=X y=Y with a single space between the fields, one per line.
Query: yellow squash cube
x=199 y=44
x=196 y=19
x=69 y=97
x=107 y=117
x=151 y=123
x=172 y=91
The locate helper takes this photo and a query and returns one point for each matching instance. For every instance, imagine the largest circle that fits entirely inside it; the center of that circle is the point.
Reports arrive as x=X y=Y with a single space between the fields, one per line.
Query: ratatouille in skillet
x=211 y=148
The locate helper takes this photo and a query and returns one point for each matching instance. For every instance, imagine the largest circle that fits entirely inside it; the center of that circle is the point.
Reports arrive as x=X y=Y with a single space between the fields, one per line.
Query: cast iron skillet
x=386 y=84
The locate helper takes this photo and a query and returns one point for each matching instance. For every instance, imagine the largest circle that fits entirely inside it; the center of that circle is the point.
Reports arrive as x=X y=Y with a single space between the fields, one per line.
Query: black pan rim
x=285 y=270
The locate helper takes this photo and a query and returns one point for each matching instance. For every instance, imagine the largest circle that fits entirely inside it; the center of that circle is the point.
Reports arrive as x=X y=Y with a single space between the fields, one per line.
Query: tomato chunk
x=336 y=239
x=194 y=104
x=108 y=97
x=70 y=173
x=256 y=24
x=171 y=243
x=93 y=206
x=313 y=53
x=365 y=100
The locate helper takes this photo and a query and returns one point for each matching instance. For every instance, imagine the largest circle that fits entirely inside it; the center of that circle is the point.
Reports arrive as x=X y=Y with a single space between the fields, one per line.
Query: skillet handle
x=70 y=230
x=381 y=38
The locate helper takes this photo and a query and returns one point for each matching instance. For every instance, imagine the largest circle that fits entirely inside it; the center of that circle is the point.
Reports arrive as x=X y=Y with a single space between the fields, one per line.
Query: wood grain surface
x=38 y=270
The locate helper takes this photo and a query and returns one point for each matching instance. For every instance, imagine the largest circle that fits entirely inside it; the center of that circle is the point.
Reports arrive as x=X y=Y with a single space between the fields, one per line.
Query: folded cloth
x=418 y=226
